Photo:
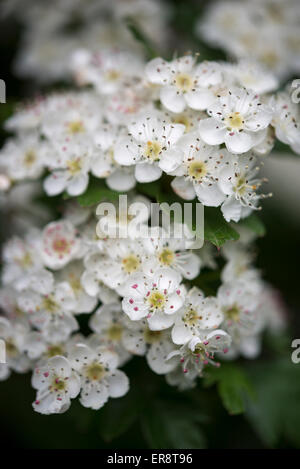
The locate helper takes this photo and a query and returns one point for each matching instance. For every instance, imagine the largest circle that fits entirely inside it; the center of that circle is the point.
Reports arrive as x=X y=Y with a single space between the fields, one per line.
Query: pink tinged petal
x=145 y=172
x=171 y=100
x=238 y=142
x=212 y=131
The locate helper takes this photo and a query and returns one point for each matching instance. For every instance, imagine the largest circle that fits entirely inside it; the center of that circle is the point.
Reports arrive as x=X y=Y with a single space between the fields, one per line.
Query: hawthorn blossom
x=156 y=298
x=237 y=119
x=100 y=378
x=151 y=146
x=56 y=385
x=60 y=244
x=183 y=83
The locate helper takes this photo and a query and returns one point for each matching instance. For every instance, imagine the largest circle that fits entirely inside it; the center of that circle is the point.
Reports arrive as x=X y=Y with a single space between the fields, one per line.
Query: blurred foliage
x=242 y=405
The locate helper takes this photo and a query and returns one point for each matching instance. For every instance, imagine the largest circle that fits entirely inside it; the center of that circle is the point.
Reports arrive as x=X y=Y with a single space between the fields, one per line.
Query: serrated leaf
x=233 y=387
x=216 y=229
x=254 y=223
x=96 y=192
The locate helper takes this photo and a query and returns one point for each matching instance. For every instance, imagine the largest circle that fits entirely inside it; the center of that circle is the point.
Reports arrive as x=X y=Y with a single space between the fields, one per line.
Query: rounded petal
x=118 y=384
x=121 y=181
x=171 y=100
x=145 y=172
x=211 y=131
x=238 y=142
x=55 y=183
x=183 y=188
x=78 y=185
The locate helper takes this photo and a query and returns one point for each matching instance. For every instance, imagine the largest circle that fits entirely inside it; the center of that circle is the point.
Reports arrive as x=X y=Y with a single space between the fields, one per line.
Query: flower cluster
x=208 y=125
x=203 y=126
x=140 y=298
x=264 y=31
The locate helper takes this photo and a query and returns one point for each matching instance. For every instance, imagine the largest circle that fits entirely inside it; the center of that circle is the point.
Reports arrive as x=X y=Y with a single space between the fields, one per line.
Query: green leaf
x=254 y=223
x=233 y=387
x=117 y=416
x=172 y=428
x=96 y=192
x=275 y=414
x=216 y=229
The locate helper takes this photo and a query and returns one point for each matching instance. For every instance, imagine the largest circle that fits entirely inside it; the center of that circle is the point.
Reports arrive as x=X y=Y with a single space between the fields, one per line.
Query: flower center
x=151 y=336
x=10 y=348
x=54 y=350
x=197 y=170
x=29 y=158
x=75 y=127
x=182 y=119
x=61 y=245
x=183 y=82
x=232 y=313
x=131 y=263
x=112 y=75
x=59 y=384
x=49 y=304
x=74 y=166
x=25 y=261
x=235 y=121
x=153 y=150
x=75 y=283
x=191 y=317
x=166 y=257
x=115 y=332
x=95 y=372
x=240 y=187
x=157 y=300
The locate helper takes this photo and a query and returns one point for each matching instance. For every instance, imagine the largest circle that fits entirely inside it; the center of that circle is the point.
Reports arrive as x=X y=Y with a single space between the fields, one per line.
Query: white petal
x=56 y=182
x=118 y=384
x=200 y=99
x=78 y=185
x=160 y=321
x=171 y=160
x=212 y=131
x=231 y=209
x=157 y=71
x=145 y=172
x=171 y=100
x=126 y=152
x=209 y=195
x=181 y=334
x=121 y=181
x=183 y=188
x=238 y=142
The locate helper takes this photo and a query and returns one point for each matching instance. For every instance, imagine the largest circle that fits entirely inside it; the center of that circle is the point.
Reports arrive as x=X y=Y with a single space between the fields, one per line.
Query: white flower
x=72 y=116
x=198 y=173
x=163 y=250
x=100 y=378
x=107 y=70
x=52 y=312
x=238 y=181
x=197 y=316
x=72 y=274
x=151 y=147
x=91 y=279
x=183 y=83
x=238 y=119
x=104 y=165
x=110 y=325
x=24 y=157
x=14 y=335
x=69 y=171
x=253 y=76
x=56 y=385
x=286 y=120
x=239 y=306
x=21 y=257
x=156 y=298
x=61 y=244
